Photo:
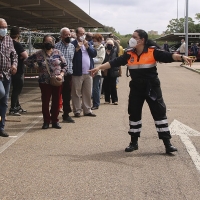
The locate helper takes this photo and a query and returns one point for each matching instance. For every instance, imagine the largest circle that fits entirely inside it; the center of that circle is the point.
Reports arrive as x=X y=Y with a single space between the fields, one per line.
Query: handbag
x=55 y=82
x=53 y=79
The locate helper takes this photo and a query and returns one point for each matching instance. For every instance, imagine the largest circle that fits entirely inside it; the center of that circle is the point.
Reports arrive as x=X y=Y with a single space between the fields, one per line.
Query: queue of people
x=68 y=59
x=71 y=69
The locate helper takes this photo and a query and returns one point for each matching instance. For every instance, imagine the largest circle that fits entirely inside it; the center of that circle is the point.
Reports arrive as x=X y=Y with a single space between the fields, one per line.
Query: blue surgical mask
x=3 y=32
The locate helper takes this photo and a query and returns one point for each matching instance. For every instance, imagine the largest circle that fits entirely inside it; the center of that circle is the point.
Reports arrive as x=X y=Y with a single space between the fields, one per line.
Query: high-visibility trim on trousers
x=162 y=127
x=161 y=122
x=135 y=127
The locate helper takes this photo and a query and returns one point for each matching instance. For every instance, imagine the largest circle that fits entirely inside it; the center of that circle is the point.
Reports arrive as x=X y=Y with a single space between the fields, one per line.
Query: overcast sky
x=127 y=15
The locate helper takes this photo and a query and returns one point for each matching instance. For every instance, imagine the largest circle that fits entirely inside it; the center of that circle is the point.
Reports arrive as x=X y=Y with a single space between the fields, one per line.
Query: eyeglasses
x=3 y=27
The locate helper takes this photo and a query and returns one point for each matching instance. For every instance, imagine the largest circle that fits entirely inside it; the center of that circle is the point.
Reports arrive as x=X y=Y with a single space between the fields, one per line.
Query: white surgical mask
x=132 y=43
x=96 y=44
x=82 y=38
x=3 y=32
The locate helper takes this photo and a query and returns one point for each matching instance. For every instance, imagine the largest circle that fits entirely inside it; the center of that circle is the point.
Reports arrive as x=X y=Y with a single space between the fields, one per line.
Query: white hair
x=2 y=20
x=64 y=29
x=110 y=41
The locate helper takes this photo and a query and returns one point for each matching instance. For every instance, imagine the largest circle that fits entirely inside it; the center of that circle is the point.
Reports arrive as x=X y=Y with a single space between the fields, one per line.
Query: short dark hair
x=14 y=32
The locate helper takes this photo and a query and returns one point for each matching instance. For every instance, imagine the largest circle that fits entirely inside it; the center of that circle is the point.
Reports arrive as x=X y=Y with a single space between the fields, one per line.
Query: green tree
x=106 y=29
x=197 y=16
x=177 y=26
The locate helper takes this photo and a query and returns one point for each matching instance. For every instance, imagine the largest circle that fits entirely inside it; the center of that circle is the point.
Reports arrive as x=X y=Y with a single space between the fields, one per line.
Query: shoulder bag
x=53 y=80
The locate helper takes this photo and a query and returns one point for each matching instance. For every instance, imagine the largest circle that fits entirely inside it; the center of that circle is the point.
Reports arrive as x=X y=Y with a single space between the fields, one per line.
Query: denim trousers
x=4 y=95
x=96 y=91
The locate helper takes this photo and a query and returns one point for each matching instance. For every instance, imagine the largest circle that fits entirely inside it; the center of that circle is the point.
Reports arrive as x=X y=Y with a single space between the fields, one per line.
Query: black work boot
x=133 y=145
x=168 y=146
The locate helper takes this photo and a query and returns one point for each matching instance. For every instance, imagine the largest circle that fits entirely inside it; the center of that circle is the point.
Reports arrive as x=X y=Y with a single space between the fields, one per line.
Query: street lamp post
x=89 y=7
x=177 y=10
x=177 y=18
x=186 y=29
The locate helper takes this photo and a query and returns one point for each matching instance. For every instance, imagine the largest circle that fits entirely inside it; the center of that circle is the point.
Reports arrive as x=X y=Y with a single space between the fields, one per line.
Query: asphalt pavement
x=86 y=160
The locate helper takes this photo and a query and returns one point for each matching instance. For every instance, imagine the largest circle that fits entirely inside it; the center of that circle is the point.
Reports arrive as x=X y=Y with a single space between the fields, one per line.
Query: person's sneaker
x=68 y=120
x=45 y=125
x=90 y=115
x=56 y=125
x=14 y=112
x=77 y=115
x=21 y=110
x=94 y=108
x=3 y=134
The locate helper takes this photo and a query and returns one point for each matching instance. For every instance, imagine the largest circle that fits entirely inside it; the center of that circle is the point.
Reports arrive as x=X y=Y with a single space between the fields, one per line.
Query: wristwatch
x=182 y=58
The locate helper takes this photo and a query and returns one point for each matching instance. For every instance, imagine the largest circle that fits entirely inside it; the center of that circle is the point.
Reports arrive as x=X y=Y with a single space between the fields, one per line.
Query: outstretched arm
x=186 y=59
x=100 y=67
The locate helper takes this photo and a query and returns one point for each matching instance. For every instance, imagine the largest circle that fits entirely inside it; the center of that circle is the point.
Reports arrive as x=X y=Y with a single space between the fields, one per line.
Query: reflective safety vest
x=145 y=60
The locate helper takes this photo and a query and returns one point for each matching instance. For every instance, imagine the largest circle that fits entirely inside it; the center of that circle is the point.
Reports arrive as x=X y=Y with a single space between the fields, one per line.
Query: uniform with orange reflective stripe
x=146 y=60
x=145 y=86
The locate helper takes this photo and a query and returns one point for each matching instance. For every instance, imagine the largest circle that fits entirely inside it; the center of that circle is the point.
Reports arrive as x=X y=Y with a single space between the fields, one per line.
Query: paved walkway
x=195 y=67
x=86 y=160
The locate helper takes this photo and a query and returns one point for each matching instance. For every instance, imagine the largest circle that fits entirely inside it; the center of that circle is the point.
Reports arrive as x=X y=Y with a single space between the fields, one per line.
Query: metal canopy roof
x=45 y=14
x=179 y=36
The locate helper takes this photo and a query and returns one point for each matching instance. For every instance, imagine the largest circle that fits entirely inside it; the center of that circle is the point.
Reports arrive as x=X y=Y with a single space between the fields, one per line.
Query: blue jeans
x=4 y=95
x=95 y=91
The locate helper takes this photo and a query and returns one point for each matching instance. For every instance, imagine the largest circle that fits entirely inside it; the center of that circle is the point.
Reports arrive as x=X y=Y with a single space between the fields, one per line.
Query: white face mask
x=132 y=43
x=3 y=32
x=82 y=38
x=96 y=44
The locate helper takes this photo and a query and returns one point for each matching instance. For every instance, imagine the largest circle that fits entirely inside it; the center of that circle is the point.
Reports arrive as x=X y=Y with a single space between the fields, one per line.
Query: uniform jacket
x=144 y=65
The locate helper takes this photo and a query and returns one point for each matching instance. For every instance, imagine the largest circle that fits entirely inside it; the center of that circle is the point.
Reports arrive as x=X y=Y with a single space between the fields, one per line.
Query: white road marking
x=183 y=131
x=20 y=134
